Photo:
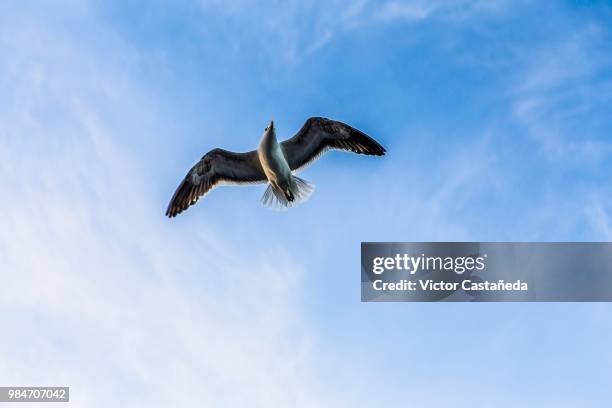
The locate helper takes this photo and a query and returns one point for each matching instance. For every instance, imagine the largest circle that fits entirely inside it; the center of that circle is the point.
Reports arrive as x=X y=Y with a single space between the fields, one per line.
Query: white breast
x=272 y=159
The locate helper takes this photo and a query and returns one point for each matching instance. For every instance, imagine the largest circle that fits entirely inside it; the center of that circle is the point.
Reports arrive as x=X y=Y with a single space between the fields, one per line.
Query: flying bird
x=274 y=163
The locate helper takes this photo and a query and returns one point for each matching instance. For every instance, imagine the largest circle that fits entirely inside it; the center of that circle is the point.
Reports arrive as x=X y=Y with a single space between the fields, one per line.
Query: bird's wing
x=216 y=167
x=319 y=135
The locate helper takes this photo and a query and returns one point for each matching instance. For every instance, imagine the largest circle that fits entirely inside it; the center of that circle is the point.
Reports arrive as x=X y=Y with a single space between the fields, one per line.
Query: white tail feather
x=275 y=198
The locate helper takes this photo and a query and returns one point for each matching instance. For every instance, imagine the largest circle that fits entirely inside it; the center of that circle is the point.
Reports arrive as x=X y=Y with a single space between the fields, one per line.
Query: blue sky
x=495 y=115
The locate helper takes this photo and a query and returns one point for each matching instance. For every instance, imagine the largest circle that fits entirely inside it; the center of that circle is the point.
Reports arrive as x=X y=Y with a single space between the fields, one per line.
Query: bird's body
x=272 y=162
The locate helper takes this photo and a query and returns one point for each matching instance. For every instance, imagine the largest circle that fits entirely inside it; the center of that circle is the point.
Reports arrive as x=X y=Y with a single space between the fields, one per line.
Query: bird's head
x=270 y=127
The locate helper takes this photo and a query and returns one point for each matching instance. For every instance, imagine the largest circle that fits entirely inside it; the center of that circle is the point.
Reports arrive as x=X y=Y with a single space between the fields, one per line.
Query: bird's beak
x=271 y=124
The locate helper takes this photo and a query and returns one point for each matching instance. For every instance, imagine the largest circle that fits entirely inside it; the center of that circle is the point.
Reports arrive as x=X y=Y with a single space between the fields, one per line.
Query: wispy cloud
x=292 y=30
x=99 y=291
x=558 y=88
x=444 y=10
x=401 y=10
x=599 y=217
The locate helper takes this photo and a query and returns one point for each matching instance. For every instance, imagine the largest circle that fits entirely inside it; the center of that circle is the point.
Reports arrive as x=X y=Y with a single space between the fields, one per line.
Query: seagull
x=273 y=163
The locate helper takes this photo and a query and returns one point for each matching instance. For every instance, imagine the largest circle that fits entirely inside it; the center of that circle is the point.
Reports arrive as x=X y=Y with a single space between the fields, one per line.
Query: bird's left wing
x=319 y=135
x=216 y=167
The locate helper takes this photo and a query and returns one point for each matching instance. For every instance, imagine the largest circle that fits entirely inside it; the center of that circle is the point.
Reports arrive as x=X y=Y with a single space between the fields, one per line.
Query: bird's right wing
x=319 y=135
x=216 y=167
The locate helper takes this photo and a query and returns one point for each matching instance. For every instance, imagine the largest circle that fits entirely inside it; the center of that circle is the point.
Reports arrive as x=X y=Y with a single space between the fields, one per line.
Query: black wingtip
x=366 y=144
x=178 y=203
x=170 y=213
